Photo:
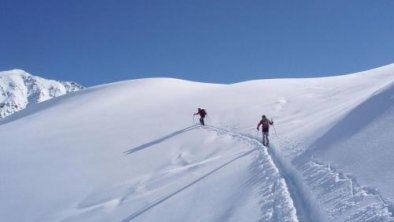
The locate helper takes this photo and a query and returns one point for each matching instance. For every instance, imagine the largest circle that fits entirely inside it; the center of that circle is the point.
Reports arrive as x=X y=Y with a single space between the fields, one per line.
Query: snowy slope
x=18 y=89
x=131 y=151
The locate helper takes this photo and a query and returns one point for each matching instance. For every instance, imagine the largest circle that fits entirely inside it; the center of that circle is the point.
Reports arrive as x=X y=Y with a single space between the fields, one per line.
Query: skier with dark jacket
x=202 y=114
x=265 y=123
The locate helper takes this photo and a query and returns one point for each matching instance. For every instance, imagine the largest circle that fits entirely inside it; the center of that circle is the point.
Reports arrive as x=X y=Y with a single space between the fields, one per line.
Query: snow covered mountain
x=18 y=89
x=132 y=151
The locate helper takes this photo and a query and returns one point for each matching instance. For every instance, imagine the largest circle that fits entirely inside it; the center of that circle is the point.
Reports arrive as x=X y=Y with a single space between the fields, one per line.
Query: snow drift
x=131 y=151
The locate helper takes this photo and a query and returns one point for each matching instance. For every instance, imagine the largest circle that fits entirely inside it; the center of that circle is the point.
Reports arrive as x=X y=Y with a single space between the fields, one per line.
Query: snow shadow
x=157 y=141
x=356 y=120
x=158 y=202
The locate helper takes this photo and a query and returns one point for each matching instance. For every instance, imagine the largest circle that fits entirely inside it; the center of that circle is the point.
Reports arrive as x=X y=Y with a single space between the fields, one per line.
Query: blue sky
x=101 y=41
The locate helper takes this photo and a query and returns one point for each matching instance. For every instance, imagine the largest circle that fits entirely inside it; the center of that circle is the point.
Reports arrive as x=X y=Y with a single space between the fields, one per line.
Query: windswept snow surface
x=132 y=151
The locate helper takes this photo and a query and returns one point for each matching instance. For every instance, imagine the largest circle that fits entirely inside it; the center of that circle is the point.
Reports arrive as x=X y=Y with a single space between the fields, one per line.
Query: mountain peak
x=18 y=89
x=13 y=72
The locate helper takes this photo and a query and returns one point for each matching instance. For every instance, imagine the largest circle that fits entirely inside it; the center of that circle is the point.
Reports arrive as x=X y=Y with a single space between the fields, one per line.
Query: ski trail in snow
x=275 y=200
x=296 y=196
x=338 y=196
x=305 y=209
x=342 y=198
x=145 y=209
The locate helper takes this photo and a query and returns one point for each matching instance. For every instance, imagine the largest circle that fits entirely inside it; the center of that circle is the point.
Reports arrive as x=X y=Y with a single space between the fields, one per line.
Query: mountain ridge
x=19 y=89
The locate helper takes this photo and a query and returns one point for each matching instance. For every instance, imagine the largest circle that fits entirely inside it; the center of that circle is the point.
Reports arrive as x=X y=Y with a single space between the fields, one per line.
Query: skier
x=202 y=114
x=265 y=123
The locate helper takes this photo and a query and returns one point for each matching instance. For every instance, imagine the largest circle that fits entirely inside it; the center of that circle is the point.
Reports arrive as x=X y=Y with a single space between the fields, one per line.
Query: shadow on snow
x=157 y=141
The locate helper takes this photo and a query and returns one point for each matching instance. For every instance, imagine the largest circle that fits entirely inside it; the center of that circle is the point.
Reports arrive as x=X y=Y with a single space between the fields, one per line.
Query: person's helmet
x=263 y=117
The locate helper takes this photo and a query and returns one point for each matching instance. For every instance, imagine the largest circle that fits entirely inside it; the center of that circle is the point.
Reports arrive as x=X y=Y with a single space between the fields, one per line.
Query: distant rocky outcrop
x=18 y=89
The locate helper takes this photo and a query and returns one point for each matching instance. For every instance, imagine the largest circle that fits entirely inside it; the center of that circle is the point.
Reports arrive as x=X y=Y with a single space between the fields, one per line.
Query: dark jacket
x=265 y=123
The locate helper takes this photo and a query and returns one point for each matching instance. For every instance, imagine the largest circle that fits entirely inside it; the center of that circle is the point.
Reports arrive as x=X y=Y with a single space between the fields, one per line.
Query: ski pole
x=275 y=131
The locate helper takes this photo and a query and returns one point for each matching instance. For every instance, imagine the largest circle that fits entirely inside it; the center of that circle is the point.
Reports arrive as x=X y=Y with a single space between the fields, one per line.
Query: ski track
x=273 y=189
x=339 y=196
x=147 y=208
x=322 y=189
x=342 y=198
x=276 y=202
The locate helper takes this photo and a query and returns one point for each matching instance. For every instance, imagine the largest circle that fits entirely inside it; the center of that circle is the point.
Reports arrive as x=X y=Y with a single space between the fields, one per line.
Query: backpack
x=203 y=112
x=265 y=123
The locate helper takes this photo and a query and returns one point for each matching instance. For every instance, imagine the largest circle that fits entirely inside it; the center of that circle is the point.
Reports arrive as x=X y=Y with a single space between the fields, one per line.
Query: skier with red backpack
x=265 y=123
x=202 y=114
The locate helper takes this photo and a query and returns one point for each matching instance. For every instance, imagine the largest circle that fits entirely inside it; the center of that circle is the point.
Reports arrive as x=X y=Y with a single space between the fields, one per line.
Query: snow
x=132 y=151
x=18 y=89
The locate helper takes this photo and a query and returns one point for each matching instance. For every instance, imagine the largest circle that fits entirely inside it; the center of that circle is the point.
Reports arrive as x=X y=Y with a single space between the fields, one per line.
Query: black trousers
x=202 y=121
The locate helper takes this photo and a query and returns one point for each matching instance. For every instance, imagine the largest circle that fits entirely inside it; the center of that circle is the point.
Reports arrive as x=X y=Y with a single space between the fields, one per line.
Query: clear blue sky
x=101 y=41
